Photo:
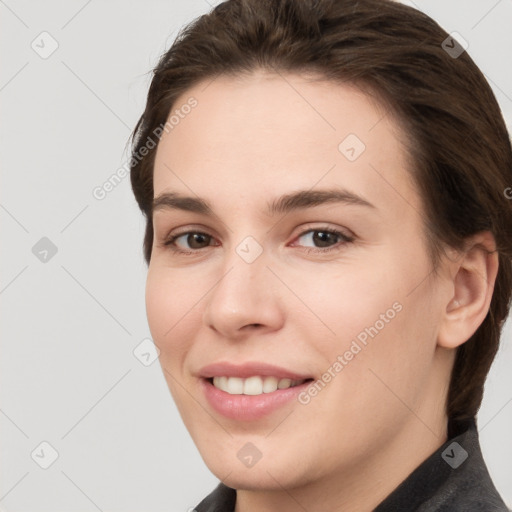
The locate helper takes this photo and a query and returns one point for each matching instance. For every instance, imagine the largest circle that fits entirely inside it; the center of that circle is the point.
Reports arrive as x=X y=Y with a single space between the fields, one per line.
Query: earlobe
x=474 y=275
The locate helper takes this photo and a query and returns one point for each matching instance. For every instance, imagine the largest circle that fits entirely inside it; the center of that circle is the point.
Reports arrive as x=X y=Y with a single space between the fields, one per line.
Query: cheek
x=342 y=302
x=380 y=312
x=170 y=312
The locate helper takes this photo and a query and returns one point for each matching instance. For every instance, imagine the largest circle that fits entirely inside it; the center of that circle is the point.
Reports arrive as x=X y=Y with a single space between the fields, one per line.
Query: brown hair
x=457 y=140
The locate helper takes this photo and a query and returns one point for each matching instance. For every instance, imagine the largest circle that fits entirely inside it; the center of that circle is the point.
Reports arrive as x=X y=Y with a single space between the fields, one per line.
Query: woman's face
x=334 y=285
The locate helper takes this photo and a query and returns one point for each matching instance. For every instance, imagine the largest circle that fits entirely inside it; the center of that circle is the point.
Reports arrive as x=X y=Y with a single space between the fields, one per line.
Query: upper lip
x=249 y=369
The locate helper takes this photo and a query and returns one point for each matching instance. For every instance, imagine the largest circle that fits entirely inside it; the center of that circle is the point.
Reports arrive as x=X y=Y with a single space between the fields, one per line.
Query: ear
x=473 y=277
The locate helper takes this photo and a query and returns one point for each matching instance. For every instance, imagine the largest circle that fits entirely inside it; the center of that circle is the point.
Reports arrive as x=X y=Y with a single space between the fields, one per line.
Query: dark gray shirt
x=453 y=479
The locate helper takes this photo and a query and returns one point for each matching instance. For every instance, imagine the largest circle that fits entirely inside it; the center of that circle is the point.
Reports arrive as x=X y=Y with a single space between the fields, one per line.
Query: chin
x=269 y=472
x=264 y=478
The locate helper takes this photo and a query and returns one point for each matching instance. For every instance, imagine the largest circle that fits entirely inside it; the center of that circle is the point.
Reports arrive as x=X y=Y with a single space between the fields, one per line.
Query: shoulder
x=221 y=499
x=455 y=478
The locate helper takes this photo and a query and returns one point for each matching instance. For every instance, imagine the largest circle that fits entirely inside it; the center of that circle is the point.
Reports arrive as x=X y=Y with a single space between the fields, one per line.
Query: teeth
x=253 y=385
x=270 y=384
x=284 y=383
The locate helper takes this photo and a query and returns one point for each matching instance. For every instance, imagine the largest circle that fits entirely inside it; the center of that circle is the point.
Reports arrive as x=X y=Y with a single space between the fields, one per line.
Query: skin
x=254 y=138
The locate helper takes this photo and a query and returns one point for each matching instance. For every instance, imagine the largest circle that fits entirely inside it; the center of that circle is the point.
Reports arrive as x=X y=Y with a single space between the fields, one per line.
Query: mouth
x=252 y=398
x=250 y=390
x=254 y=385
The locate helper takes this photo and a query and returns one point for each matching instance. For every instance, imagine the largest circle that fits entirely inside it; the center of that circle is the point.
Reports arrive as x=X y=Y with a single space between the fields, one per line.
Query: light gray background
x=70 y=324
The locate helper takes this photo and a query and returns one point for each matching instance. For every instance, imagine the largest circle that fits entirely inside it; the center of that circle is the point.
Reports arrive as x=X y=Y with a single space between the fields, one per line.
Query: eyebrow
x=301 y=199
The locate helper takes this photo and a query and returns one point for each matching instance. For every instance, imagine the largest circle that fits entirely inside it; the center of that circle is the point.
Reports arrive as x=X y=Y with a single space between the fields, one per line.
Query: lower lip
x=249 y=407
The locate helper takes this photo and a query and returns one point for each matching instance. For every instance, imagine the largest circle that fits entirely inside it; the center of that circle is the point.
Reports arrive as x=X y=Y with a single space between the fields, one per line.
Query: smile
x=254 y=385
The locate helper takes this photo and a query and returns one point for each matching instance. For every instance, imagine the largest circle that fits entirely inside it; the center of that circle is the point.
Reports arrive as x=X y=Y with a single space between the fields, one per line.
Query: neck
x=355 y=489
x=362 y=486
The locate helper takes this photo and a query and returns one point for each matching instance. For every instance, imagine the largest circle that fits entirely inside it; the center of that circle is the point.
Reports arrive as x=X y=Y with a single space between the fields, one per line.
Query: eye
x=327 y=239
x=196 y=240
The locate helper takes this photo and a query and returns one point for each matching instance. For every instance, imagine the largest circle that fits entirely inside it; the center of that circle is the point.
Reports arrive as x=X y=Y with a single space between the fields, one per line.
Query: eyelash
x=345 y=239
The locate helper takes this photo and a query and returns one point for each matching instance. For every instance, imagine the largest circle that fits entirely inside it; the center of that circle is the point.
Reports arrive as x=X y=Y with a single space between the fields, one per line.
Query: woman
x=328 y=240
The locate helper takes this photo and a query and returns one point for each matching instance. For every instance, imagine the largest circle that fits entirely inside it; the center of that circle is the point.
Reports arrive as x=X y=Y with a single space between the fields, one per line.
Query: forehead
x=252 y=137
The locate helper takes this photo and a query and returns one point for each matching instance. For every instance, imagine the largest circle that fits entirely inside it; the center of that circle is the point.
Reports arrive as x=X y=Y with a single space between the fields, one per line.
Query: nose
x=244 y=299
